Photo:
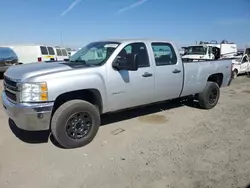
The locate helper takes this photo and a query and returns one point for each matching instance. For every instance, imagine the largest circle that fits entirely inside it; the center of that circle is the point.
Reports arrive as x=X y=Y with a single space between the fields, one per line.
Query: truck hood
x=21 y=72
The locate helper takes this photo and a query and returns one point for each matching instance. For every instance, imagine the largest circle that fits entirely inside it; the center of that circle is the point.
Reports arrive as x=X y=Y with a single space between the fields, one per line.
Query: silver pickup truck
x=105 y=76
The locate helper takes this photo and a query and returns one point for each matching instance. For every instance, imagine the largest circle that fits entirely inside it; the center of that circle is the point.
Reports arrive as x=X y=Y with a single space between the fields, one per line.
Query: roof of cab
x=123 y=40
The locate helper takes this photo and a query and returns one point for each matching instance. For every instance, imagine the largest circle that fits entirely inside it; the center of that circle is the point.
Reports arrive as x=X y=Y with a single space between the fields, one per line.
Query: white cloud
x=132 y=6
x=70 y=7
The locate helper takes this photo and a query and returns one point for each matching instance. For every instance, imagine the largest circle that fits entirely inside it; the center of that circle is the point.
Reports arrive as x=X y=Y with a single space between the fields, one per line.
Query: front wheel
x=75 y=123
x=210 y=96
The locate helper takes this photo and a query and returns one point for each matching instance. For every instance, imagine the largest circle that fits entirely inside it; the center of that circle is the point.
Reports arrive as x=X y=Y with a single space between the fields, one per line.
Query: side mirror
x=130 y=63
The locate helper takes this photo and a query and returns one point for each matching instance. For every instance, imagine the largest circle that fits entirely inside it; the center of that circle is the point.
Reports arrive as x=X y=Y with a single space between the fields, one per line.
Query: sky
x=74 y=23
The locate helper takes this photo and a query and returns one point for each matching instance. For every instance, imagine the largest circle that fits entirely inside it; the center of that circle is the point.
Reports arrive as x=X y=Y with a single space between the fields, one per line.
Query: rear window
x=64 y=52
x=44 y=50
x=58 y=52
x=51 y=51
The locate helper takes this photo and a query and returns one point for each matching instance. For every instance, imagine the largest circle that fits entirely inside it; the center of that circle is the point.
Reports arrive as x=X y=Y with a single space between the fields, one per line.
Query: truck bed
x=197 y=73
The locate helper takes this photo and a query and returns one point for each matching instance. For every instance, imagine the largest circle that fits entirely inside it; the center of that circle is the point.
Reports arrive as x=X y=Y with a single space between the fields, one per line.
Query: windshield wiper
x=78 y=61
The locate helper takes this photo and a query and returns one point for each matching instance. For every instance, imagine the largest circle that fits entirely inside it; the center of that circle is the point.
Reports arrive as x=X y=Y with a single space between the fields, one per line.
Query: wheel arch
x=92 y=96
x=217 y=78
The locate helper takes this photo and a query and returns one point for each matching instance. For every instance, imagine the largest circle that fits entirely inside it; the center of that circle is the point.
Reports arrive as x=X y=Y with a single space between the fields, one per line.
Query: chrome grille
x=10 y=95
x=11 y=89
x=10 y=82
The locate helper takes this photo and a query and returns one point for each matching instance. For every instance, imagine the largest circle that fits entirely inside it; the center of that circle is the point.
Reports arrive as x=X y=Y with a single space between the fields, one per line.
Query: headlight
x=34 y=92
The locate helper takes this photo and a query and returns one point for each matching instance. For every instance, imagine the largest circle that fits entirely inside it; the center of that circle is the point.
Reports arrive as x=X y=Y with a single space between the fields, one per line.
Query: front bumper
x=30 y=117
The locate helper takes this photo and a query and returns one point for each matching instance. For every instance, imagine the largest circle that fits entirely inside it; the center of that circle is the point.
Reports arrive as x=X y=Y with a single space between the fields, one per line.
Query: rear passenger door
x=168 y=71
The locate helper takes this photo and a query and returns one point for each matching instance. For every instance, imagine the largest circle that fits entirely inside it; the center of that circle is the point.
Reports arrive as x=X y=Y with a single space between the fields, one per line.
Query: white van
x=61 y=54
x=33 y=53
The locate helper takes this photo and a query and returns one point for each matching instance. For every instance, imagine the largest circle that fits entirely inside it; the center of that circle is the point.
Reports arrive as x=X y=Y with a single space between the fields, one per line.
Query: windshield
x=95 y=53
x=247 y=51
x=199 y=50
x=7 y=53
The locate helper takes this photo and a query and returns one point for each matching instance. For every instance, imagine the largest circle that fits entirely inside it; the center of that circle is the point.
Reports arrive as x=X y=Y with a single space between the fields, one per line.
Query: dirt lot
x=168 y=145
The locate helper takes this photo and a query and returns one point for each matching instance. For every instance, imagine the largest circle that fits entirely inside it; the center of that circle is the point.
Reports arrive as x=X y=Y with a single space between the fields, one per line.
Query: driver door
x=126 y=89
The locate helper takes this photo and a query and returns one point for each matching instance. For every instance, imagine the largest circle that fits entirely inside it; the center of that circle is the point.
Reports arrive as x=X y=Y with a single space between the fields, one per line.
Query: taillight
x=39 y=59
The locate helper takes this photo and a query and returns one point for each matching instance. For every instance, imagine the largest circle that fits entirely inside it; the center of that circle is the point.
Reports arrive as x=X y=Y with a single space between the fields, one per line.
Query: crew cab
x=69 y=97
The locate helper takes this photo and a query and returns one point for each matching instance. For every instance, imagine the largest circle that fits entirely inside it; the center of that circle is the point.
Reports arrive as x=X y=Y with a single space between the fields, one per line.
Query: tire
x=204 y=98
x=235 y=74
x=66 y=112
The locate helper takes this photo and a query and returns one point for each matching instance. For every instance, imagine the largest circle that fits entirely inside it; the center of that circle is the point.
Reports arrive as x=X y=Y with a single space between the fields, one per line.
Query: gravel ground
x=167 y=145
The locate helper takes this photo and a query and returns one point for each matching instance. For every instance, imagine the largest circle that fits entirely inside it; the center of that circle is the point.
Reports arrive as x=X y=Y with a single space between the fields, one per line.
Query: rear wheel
x=210 y=96
x=75 y=123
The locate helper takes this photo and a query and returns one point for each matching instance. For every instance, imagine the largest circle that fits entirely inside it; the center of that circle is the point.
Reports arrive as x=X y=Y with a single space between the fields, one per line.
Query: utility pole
x=61 y=38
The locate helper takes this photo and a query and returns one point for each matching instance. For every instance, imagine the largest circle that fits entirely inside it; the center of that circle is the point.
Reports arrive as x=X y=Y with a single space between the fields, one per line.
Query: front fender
x=76 y=82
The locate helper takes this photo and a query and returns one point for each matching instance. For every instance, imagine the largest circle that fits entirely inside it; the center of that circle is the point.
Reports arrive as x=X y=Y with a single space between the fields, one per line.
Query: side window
x=139 y=49
x=58 y=52
x=51 y=51
x=164 y=54
x=44 y=50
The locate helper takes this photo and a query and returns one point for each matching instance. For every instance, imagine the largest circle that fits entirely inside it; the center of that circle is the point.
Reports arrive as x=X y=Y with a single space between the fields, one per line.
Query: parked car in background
x=68 y=98
x=33 y=53
x=7 y=58
x=61 y=54
x=211 y=51
x=247 y=50
x=242 y=65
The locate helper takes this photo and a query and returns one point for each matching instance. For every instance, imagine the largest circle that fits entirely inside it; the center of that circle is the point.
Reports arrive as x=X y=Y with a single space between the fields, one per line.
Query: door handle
x=147 y=74
x=175 y=71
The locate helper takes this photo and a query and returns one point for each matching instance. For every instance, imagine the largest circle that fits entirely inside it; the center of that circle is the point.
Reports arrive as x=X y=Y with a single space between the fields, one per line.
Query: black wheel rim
x=213 y=95
x=78 y=125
